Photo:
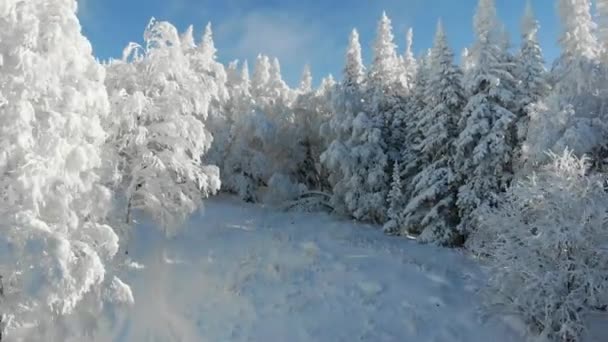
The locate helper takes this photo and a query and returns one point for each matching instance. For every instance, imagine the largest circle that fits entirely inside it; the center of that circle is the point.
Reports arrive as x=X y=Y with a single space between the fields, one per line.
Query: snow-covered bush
x=54 y=245
x=547 y=247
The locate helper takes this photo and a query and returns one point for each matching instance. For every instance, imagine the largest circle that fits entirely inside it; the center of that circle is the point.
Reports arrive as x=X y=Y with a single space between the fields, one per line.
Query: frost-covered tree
x=306 y=81
x=483 y=149
x=356 y=158
x=545 y=244
x=396 y=202
x=571 y=116
x=213 y=78
x=312 y=111
x=347 y=102
x=409 y=65
x=159 y=106
x=466 y=62
x=532 y=75
x=384 y=89
x=55 y=245
x=432 y=211
x=406 y=125
x=236 y=170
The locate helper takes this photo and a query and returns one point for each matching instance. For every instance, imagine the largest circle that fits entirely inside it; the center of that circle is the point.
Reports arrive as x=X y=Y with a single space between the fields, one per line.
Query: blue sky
x=301 y=31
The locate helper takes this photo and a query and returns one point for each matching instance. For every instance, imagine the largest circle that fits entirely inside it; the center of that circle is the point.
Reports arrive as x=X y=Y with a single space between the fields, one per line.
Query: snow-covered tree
x=572 y=115
x=396 y=202
x=306 y=81
x=384 y=91
x=237 y=169
x=54 y=245
x=356 y=157
x=347 y=102
x=431 y=210
x=312 y=111
x=159 y=106
x=483 y=149
x=532 y=75
x=408 y=62
x=383 y=72
x=405 y=125
x=545 y=244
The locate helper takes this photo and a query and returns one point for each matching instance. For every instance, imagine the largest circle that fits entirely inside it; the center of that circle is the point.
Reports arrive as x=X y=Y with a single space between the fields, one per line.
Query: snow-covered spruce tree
x=347 y=103
x=355 y=158
x=572 y=113
x=396 y=202
x=385 y=92
x=54 y=245
x=406 y=125
x=532 y=75
x=550 y=265
x=432 y=210
x=409 y=64
x=483 y=150
x=159 y=105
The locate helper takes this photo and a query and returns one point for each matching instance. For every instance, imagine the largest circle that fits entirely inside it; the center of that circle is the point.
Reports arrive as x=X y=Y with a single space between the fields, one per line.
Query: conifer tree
x=431 y=210
x=572 y=114
x=395 y=202
x=384 y=92
x=346 y=104
x=483 y=149
x=533 y=77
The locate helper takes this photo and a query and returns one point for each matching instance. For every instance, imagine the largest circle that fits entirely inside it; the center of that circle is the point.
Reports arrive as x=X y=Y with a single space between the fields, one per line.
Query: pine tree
x=187 y=39
x=483 y=150
x=208 y=45
x=261 y=78
x=407 y=126
x=409 y=64
x=432 y=209
x=306 y=81
x=382 y=73
x=533 y=77
x=395 y=202
x=572 y=115
x=356 y=157
x=346 y=104
x=384 y=93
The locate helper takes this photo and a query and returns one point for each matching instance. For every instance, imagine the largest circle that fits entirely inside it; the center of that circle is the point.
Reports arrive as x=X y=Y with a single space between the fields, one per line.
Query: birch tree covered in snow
x=54 y=245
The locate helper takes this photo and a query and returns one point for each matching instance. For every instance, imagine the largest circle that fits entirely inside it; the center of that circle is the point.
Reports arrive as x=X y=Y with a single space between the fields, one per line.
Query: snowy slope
x=245 y=273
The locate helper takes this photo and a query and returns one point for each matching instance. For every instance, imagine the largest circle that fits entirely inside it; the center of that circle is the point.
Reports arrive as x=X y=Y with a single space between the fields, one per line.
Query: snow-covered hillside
x=246 y=273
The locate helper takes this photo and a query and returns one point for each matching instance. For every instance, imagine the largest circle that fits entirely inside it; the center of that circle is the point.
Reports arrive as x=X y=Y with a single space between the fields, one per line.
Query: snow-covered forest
x=498 y=153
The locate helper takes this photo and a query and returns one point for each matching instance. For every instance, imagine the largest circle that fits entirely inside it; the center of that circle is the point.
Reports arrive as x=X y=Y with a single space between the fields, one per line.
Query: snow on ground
x=242 y=272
